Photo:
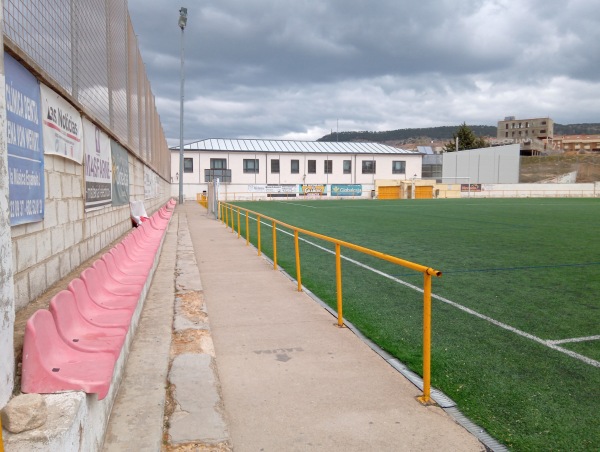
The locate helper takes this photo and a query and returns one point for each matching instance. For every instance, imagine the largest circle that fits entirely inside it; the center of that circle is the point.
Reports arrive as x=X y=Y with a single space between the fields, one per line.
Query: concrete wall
x=46 y=251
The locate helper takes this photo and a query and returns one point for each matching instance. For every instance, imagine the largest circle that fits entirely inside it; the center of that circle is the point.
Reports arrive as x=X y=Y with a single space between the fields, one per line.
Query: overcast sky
x=298 y=69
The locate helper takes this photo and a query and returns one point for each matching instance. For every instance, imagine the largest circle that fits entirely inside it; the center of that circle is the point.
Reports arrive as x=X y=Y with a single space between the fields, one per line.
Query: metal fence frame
x=88 y=52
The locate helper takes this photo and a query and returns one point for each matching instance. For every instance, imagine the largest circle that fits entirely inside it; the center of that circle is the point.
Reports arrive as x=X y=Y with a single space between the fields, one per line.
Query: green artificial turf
x=531 y=264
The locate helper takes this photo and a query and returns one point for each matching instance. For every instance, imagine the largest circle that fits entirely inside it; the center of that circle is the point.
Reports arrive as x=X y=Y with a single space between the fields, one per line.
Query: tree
x=466 y=140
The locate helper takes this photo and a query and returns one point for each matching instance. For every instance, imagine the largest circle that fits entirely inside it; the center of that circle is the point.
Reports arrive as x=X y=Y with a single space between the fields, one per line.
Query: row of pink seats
x=75 y=344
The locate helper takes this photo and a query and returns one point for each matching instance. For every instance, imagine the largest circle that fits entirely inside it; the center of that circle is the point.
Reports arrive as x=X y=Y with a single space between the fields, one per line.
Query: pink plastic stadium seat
x=118 y=274
x=94 y=313
x=129 y=282
x=50 y=365
x=78 y=332
x=121 y=256
x=104 y=294
x=123 y=265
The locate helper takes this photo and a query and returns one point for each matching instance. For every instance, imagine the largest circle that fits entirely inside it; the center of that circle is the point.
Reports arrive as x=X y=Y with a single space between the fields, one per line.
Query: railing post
x=247 y=229
x=274 y=246
x=297 y=248
x=258 y=232
x=425 y=399
x=238 y=215
x=338 y=284
x=232 y=219
x=226 y=216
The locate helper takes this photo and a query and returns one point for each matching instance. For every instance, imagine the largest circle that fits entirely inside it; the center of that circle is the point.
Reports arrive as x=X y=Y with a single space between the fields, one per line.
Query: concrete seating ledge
x=74 y=353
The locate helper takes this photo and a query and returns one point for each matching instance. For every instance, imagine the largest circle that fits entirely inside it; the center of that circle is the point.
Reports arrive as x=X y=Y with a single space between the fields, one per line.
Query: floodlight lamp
x=182 y=17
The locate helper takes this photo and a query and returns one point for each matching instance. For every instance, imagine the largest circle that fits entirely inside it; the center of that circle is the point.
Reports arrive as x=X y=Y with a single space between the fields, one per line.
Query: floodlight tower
x=182 y=24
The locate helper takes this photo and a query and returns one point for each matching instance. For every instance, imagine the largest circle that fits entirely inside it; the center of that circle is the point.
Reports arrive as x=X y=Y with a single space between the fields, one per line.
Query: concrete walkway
x=291 y=380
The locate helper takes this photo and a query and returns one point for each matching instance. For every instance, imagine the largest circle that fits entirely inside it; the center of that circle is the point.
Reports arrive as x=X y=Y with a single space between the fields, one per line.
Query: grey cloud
x=274 y=68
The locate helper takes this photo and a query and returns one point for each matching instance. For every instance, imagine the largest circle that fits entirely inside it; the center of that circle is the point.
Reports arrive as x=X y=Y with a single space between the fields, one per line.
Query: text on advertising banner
x=61 y=125
x=24 y=140
x=120 y=174
x=97 y=167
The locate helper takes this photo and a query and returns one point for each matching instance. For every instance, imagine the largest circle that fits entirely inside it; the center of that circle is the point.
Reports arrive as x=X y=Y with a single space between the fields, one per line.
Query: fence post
x=247 y=229
x=425 y=399
x=274 y=246
x=258 y=232
x=338 y=284
x=238 y=215
x=297 y=248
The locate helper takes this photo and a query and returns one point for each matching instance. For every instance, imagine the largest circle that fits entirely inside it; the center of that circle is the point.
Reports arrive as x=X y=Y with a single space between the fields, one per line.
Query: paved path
x=290 y=380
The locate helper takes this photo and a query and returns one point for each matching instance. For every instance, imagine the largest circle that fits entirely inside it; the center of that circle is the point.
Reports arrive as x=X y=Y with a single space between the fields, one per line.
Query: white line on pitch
x=549 y=344
x=575 y=339
x=297 y=203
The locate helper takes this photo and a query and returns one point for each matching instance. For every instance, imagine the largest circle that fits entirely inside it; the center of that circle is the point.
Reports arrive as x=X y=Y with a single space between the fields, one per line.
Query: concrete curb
x=195 y=419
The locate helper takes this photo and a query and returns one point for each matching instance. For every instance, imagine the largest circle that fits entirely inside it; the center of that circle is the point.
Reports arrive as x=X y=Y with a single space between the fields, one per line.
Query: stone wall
x=46 y=251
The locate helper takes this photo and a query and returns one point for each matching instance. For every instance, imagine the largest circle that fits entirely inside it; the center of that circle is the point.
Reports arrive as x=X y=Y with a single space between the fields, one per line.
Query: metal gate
x=424 y=192
x=389 y=192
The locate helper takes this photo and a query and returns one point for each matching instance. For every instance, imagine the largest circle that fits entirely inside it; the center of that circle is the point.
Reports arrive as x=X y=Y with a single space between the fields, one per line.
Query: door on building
x=389 y=192
x=424 y=192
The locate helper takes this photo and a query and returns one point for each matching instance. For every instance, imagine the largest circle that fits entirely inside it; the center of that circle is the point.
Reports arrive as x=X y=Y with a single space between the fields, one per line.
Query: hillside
x=445 y=133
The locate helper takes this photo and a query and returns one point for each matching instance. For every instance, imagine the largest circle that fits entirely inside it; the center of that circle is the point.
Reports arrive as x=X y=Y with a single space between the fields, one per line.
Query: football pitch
x=516 y=314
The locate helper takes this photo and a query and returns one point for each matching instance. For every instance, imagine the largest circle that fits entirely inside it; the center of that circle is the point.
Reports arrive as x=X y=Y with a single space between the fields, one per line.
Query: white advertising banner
x=62 y=126
x=97 y=167
x=273 y=188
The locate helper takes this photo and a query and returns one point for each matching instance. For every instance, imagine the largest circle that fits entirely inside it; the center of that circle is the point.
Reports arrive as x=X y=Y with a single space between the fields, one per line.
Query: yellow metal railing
x=202 y=200
x=227 y=214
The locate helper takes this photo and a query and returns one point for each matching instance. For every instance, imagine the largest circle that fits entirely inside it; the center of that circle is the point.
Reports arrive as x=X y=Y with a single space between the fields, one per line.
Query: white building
x=257 y=169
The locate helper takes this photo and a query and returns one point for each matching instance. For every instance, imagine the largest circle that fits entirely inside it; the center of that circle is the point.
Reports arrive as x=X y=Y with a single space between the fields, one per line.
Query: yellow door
x=424 y=192
x=389 y=192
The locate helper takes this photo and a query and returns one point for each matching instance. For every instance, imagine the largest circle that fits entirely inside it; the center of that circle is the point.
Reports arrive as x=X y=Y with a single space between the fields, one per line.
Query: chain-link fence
x=87 y=50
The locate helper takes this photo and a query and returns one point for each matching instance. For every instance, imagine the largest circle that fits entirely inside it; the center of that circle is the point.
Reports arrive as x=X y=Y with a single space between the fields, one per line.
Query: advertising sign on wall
x=470 y=187
x=24 y=140
x=313 y=189
x=62 y=126
x=120 y=174
x=272 y=188
x=150 y=183
x=346 y=190
x=97 y=167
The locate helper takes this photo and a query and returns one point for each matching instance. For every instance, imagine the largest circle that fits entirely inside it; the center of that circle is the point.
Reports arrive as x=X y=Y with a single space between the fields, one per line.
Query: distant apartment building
x=577 y=143
x=535 y=135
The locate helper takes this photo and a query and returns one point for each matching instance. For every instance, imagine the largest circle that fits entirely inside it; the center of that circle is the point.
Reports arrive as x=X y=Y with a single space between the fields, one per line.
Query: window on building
x=347 y=166
x=312 y=167
x=274 y=165
x=295 y=167
x=543 y=123
x=398 y=167
x=250 y=165
x=431 y=171
x=527 y=125
x=506 y=134
x=188 y=165
x=218 y=163
x=506 y=126
x=223 y=174
x=328 y=166
x=368 y=166
x=543 y=131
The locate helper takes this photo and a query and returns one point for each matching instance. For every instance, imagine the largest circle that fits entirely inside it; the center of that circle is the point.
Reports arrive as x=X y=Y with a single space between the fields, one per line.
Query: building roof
x=289 y=146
